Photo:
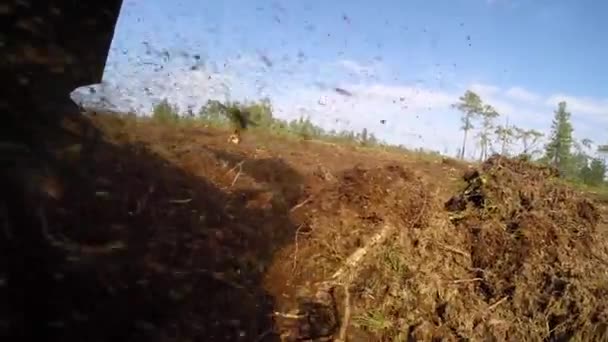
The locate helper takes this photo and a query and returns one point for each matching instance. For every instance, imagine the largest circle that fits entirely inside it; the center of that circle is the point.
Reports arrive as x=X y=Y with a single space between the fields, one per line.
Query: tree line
x=576 y=160
x=260 y=115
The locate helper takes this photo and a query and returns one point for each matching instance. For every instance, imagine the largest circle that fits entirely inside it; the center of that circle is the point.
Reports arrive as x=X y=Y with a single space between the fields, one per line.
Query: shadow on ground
x=275 y=174
x=144 y=250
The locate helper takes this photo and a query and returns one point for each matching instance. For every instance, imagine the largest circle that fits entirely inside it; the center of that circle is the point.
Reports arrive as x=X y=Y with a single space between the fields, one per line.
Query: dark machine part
x=47 y=49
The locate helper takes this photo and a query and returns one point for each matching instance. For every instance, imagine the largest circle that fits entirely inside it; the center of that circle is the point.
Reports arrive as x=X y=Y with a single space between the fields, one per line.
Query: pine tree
x=602 y=150
x=597 y=172
x=558 y=152
x=471 y=106
x=364 y=137
x=504 y=135
x=164 y=112
x=488 y=114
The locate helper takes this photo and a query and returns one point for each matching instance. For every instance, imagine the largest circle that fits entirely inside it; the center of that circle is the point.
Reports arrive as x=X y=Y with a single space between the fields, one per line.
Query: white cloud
x=484 y=90
x=356 y=68
x=583 y=105
x=139 y=89
x=525 y=114
x=414 y=97
x=521 y=94
x=368 y=72
x=415 y=115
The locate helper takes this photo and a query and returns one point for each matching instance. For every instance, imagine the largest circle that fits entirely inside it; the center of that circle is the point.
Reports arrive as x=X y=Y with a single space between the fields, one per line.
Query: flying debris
x=166 y=56
x=343 y=92
x=383 y=121
x=266 y=61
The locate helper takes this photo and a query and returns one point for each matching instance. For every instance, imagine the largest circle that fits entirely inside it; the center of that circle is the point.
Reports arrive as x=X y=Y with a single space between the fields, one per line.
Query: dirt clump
x=535 y=248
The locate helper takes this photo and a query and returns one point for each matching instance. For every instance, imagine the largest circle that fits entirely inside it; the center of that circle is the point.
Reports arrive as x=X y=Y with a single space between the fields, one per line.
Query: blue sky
x=404 y=61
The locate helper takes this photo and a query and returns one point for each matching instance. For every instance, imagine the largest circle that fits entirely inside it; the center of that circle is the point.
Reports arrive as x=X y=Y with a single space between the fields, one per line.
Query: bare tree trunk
x=505 y=137
x=464 y=142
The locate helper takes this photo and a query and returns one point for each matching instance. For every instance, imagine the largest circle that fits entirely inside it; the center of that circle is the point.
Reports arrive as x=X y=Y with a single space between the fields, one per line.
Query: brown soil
x=168 y=233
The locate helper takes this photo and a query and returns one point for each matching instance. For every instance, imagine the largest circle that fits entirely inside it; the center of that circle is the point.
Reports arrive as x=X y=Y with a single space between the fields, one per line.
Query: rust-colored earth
x=168 y=233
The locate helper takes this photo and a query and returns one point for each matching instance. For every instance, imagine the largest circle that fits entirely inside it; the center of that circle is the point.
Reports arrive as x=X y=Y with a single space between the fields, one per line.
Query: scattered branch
x=288 y=315
x=295 y=207
x=453 y=250
x=240 y=167
x=295 y=253
x=502 y=300
x=461 y=281
x=182 y=201
x=346 y=272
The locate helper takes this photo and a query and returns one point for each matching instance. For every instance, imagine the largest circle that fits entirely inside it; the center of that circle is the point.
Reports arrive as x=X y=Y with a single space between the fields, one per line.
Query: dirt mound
x=517 y=256
x=165 y=233
x=534 y=244
x=349 y=211
x=374 y=194
x=351 y=217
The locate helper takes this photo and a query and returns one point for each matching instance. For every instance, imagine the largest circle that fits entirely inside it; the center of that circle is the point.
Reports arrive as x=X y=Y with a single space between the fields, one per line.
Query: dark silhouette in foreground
x=104 y=239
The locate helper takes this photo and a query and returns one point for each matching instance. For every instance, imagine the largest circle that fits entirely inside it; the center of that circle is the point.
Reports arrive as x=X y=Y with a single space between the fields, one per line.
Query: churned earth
x=168 y=233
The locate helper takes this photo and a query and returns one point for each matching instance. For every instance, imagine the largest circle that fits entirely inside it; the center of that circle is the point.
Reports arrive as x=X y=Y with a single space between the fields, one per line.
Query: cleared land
x=168 y=233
